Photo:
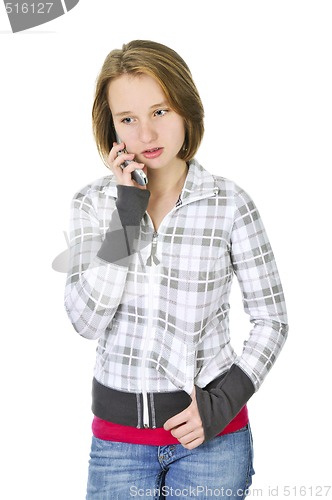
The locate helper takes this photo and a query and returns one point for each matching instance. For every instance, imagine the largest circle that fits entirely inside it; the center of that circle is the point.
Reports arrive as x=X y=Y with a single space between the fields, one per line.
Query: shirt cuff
x=218 y=405
x=119 y=244
x=131 y=204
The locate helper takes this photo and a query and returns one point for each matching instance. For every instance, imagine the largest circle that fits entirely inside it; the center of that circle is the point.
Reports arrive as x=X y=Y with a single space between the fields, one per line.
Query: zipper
x=153 y=255
x=151 y=263
x=154 y=261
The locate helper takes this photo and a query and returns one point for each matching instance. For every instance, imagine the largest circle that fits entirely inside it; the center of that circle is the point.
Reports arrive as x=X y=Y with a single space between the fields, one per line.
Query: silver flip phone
x=137 y=175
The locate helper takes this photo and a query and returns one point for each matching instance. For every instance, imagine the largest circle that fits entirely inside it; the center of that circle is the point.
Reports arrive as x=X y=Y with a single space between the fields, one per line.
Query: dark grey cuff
x=131 y=204
x=119 y=242
x=219 y=404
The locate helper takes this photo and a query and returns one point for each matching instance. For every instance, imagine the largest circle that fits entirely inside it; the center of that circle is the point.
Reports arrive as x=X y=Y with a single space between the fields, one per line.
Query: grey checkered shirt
x=162 y=317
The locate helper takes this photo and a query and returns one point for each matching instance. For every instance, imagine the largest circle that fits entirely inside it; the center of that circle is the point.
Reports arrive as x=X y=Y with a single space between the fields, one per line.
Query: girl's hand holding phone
x=123 y=166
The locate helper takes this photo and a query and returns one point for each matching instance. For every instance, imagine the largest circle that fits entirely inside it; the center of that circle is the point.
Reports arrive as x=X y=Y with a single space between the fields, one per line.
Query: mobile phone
x=137 y=175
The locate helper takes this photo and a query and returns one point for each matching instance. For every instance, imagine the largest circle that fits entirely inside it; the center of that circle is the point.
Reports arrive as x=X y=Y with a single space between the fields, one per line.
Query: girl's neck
x=166 y=181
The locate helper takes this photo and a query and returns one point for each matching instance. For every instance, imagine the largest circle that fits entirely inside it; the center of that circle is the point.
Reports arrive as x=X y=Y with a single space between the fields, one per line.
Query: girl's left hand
x=187 y=426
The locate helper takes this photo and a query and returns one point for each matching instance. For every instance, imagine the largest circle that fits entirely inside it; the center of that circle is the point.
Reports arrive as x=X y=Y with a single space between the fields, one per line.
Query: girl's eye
x=161 y=112
x=127 y=120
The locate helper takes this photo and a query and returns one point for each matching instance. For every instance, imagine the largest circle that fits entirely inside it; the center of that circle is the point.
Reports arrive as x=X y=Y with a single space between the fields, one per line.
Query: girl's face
x=145 y=122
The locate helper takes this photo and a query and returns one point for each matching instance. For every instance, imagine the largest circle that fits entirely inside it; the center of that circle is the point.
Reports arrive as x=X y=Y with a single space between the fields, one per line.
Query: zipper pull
x=153 y=257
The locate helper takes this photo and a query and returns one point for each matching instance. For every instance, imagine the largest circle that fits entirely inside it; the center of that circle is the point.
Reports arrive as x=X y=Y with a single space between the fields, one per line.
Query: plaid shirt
x=162 y=317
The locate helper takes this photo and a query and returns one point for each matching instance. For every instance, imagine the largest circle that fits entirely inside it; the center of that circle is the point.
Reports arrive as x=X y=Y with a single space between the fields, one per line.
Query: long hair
x=173 y=75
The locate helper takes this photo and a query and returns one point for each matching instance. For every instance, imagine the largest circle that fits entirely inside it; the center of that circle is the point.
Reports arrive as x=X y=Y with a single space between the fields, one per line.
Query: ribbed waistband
x=126 y=408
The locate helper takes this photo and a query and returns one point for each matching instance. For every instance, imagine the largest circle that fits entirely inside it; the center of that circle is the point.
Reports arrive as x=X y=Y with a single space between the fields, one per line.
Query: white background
x=263 y=69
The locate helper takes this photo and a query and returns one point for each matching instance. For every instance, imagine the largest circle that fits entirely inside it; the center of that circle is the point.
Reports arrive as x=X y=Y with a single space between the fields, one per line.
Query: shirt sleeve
x=263 y=299
x=262 y=294
x=98 y=265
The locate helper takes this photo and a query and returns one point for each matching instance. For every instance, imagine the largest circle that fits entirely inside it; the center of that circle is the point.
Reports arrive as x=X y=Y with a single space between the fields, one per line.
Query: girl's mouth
x=152 y=153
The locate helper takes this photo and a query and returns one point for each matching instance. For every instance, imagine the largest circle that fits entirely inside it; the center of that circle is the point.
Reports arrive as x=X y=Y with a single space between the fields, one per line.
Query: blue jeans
x=220 y=468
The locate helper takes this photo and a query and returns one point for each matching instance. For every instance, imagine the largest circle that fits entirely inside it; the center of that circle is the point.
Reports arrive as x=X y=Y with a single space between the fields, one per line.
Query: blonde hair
x=173 y=75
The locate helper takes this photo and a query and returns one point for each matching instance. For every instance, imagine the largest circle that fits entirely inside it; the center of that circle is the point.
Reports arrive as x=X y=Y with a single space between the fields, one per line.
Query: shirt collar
x=199 y=183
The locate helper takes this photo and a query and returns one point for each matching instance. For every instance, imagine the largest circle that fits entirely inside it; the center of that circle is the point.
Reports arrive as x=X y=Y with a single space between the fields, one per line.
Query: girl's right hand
x=123 y=175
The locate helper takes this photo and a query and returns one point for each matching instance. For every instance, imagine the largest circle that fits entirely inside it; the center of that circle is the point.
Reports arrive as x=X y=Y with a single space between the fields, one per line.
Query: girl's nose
x=147 y=133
